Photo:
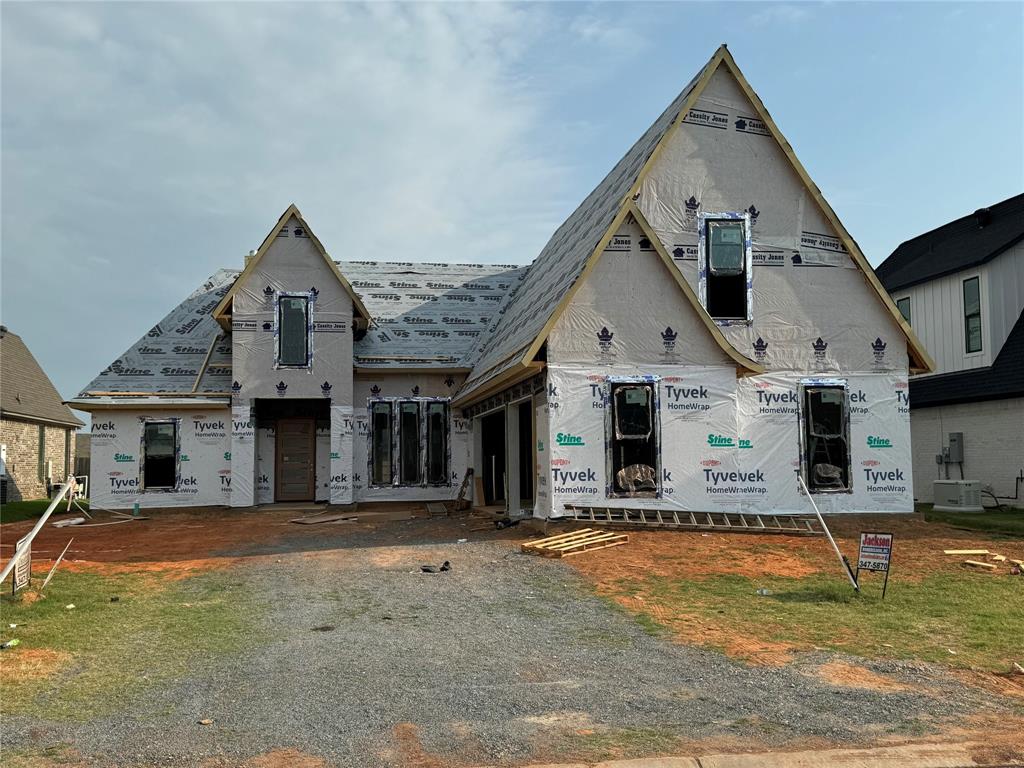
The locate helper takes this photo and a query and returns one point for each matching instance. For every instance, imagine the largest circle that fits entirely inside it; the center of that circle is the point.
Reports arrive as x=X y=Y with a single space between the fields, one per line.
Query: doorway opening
x=492 y=429
x=524 y=416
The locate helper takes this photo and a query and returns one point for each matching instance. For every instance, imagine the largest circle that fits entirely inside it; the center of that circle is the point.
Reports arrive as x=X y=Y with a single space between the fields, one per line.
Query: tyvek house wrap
x=725 y=444
x=203 y=474
x=813 y=310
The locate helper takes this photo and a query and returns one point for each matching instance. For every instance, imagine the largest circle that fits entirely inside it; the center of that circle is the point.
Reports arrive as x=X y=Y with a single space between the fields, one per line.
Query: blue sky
x=144 y=146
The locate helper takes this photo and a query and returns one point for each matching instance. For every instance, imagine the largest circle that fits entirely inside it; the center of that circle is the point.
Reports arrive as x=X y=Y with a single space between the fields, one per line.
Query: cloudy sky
x=146 y=145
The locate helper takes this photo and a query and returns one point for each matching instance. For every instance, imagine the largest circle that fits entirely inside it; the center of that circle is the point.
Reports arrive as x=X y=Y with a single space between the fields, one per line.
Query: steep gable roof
x=220 y=314
x=963 y=243
x=25 y=390
x=563 y=262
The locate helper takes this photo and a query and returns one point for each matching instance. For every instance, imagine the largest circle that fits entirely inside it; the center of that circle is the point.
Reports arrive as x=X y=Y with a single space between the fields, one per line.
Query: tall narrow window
x=380 y=443
x=903 y=305
x=437 y=443
x=726 y=269
x=634 y=440
x=409 y=443
x=826 y=438
x=42 y=453
x=972 y=314
x=160 y=455
x=293 y=331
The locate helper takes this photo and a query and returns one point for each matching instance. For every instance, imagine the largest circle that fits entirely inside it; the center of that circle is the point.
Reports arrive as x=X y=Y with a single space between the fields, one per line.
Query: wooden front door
x=295 y=460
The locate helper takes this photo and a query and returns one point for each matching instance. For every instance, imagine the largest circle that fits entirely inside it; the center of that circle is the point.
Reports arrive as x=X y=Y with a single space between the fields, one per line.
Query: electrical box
x=956 y=447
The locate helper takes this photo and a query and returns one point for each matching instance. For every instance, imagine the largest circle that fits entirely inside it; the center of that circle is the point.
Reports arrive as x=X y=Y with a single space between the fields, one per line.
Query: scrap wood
x=965 y=551
x=999 y=558
x=113 y=522
x=574 y=543
x=69 y=521
x=990 y=566
x=323 y=518
x=1019 y=563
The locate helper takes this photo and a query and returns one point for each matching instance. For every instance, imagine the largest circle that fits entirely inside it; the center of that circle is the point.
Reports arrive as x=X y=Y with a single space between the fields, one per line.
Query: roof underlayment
x=424 y=316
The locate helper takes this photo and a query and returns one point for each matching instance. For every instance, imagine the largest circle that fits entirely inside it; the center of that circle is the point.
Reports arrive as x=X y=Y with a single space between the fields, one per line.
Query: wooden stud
x=990 y=566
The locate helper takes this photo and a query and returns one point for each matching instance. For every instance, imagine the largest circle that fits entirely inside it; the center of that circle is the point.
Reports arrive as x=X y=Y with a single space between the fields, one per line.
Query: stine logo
x=720 y=441
x=879 y=442
x=123 y=458
x=564 y=438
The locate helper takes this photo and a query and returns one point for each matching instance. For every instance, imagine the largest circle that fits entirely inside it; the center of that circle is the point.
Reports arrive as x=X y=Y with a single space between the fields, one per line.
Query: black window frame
x=900 y=304
x=384 y=482
x=307 y=313
x=146 y=463
x=710 y=282
x=617 y=442
x=975 y=315
x=401 y=437
x=398 y=477
x=811 y=439
x=433 y=405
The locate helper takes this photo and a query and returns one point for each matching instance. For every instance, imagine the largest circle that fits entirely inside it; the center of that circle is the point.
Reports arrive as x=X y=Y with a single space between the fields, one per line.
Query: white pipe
x=828 y=533
x=27 y=542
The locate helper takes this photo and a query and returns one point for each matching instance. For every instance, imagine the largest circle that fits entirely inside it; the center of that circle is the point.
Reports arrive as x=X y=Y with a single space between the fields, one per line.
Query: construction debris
x=56 y=563
x=574 y=543
x=965 y=551
x=326 y=517
x=69 y=521
x=444 y=567
x=999 y=558
x=978 y=564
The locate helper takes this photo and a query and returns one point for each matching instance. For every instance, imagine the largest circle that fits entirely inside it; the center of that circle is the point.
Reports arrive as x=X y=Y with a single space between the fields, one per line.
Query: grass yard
x=1010 y=522
x=977 y=617
x=13 y=511
x=90 y=660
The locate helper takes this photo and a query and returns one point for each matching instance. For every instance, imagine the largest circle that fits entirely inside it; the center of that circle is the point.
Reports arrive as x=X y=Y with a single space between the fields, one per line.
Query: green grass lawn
x=91 y=660
x=1008 y=523
x=13 y=511
x=978 y=616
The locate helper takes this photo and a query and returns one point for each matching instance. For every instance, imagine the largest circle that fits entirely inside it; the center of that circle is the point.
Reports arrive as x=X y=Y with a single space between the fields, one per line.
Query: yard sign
x=23 y=568
x=875 y=554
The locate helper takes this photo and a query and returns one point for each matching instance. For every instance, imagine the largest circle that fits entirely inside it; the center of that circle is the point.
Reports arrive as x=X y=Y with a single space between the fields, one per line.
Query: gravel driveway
x=363 y=660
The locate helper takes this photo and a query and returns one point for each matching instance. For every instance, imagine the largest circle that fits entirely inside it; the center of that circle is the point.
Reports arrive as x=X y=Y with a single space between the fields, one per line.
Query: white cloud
x=786 y=14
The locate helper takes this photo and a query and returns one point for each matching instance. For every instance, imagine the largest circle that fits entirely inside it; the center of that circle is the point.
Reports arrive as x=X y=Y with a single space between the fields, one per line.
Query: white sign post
x=875 y=555
x=23 y=567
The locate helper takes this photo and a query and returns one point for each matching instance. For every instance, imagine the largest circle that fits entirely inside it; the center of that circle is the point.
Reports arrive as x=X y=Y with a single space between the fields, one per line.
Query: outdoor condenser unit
x=957 y=496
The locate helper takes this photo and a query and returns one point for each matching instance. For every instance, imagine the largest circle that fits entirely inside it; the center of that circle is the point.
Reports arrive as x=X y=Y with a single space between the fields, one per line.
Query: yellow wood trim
x=90 y=407
x=206 y=362
x=367 y=370
x=512 y=376
x=592 y=259
x=741 y=360
x=923 y=362
x=250 y=267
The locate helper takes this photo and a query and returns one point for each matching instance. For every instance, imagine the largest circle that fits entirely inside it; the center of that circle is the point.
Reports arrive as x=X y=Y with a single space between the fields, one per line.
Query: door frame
x=279 y=464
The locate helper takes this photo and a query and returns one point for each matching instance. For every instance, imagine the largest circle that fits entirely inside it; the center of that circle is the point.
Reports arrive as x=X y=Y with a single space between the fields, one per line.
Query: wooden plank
x=584 y=542
x=965 y=551
x=558 y=536
x=999 y=558
x=594 y=549
x=990 y=566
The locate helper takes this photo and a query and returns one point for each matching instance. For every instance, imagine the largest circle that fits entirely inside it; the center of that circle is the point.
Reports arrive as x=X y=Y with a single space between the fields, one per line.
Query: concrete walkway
x=906 y=756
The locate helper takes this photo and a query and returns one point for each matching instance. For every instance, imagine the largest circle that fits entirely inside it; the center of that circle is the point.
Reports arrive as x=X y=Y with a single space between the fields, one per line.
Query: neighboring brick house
x=36 y=428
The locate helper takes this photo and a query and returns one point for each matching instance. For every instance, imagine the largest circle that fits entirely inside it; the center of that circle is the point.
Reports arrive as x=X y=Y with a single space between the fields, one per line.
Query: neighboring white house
x=699 y=329
x=961 y=287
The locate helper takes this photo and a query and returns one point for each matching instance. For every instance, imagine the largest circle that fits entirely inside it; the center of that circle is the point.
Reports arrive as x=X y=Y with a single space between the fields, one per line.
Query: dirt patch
x=278 y=758
x=695 y=629
x=410 y=751
x=1010 y=684
x=853 y=676
x=30 y=664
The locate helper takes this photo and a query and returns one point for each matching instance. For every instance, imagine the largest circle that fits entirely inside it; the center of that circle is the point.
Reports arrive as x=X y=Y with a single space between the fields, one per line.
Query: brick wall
x=22 y=441
x=993 y=448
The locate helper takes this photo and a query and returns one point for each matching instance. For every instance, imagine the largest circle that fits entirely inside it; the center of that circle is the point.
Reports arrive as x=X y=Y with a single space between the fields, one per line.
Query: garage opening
x=524 y=416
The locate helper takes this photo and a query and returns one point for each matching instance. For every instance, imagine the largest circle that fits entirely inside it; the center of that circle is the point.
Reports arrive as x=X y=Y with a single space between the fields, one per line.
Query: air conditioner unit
x=957 y=496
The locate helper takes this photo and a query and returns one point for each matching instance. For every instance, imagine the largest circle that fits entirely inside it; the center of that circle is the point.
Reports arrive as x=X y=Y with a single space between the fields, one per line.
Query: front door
x=295 y=464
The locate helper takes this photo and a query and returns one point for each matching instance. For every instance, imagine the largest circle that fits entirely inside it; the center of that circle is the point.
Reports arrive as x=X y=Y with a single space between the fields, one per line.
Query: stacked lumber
x=1017 y=566
x=574 y=543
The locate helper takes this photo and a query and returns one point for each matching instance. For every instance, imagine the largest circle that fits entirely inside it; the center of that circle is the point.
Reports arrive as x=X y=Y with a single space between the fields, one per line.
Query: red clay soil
x=917 y=551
